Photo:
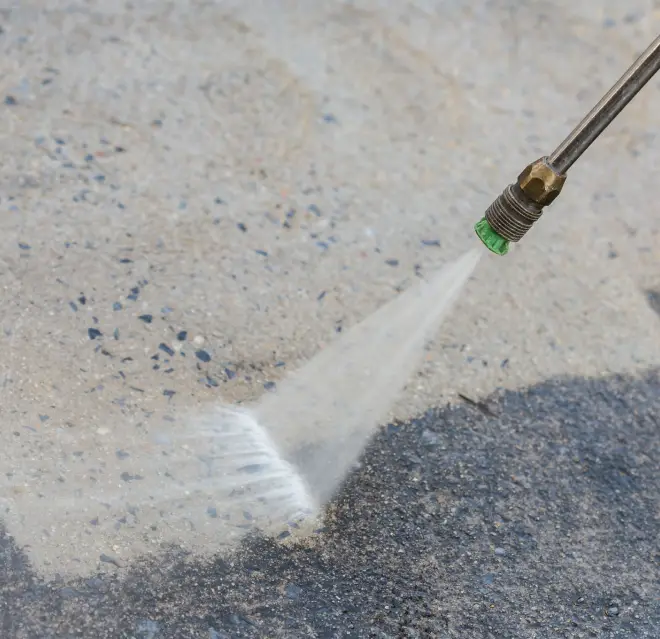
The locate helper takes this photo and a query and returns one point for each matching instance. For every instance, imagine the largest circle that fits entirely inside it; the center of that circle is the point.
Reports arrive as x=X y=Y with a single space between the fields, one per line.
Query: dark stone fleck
x=169 y=393
x=23 y=246
x=312 y=208
x=109 y=560
x=320 y=296
x=211 y=382
x=122 y=454
x=392 y=262
x=94 y=333
x=165 y=348
x=10 y=100
x=212 y=512
x=116 y=306
x=82 y=299
x=230 y=373
x=430 y=242
x=125 y=260
x=128 y=477
x=653 y=299
x=147 y=318
x=260 y=252
x=182 y=336
x=241 y=227
x=269 y=386
x=73 y=306
x=202 y=356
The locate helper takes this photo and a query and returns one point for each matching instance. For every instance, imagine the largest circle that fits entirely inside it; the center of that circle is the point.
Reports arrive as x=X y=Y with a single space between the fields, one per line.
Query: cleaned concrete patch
x=532 y=514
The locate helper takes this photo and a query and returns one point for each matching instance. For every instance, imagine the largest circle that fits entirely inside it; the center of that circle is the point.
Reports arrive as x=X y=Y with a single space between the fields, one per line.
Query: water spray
x=521 y=204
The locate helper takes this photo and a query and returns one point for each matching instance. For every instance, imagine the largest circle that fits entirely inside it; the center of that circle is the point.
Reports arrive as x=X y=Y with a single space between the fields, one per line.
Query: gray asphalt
x=532 y=514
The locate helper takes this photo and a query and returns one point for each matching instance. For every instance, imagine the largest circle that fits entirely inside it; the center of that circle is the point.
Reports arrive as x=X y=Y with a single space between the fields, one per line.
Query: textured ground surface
x=535 y=515
x=259 y=175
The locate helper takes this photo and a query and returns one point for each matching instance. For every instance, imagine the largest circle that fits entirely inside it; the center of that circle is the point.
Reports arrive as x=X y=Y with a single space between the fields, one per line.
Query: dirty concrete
x=195 y=197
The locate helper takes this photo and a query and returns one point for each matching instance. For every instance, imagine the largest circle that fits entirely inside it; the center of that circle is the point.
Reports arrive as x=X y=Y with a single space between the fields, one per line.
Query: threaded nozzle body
x=512 y=214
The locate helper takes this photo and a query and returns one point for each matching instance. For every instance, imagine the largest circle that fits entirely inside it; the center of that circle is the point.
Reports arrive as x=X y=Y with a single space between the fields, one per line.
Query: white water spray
x=227 y=472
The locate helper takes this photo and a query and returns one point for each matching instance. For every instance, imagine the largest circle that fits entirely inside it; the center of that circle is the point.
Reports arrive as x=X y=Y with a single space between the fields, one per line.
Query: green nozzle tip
x=493 y=241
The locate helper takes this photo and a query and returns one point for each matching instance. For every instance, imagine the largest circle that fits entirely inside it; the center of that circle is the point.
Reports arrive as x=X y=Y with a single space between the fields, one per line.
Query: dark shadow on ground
x=534 y=515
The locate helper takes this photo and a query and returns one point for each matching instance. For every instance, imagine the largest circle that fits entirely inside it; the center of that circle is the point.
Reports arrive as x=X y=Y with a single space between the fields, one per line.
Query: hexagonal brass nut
x=540 y=183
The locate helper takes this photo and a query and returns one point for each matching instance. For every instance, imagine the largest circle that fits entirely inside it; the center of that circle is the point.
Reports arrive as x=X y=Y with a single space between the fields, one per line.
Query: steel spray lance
x=512 y=214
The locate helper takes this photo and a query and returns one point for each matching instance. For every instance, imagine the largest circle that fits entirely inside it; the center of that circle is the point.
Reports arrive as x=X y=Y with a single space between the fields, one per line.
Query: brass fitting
x=512 y=214
x=540 y=182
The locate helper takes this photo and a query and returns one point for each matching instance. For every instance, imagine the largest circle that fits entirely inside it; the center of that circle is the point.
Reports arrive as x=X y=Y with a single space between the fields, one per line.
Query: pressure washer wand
x=512 y=214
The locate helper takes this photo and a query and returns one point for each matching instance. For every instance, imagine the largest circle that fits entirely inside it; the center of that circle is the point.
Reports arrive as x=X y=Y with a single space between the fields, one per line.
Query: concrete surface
x=261 y=174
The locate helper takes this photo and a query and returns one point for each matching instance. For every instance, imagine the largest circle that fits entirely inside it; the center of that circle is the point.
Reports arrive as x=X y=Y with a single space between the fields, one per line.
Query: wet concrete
x=532 y=514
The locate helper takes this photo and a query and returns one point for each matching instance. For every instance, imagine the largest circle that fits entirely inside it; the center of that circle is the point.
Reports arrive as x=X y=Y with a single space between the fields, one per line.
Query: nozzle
x=493 y=240
x=510 y=216
x=514 y=212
